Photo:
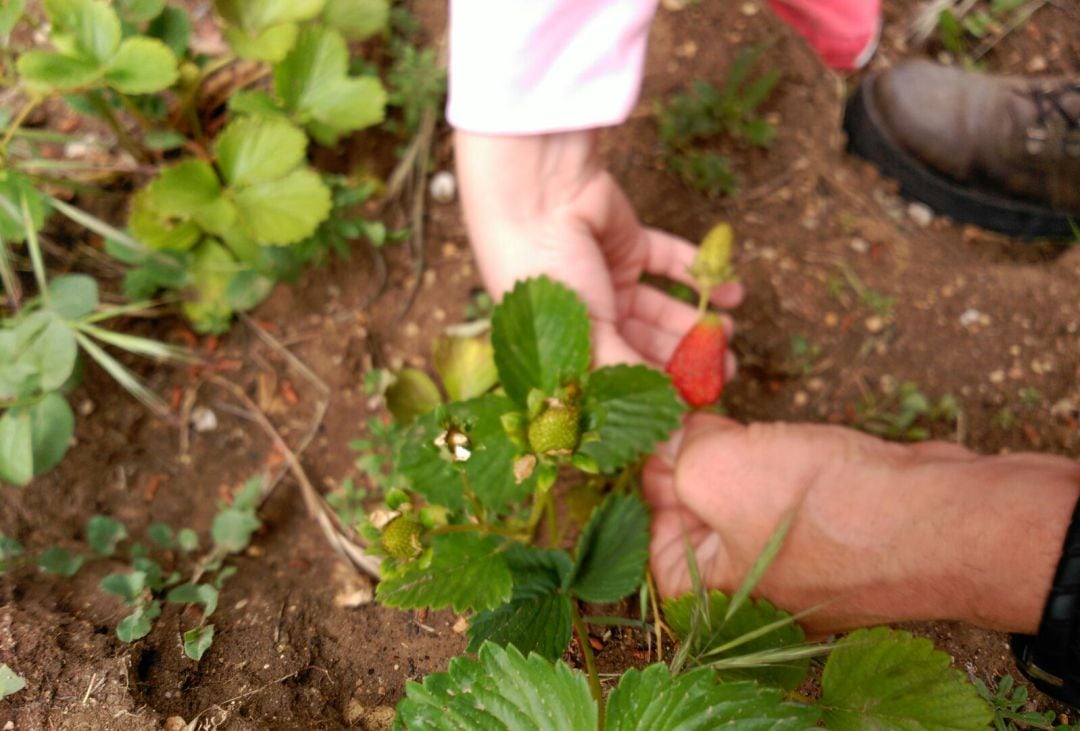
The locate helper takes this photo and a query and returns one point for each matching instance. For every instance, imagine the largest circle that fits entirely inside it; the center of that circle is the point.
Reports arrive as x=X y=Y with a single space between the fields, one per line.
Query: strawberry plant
x=689 y=120
x=482 y=521
x=151 y=581
x=237 y=211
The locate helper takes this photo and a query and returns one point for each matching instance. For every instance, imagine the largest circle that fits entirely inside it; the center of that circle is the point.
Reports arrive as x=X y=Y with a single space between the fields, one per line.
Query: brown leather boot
x=999 y=151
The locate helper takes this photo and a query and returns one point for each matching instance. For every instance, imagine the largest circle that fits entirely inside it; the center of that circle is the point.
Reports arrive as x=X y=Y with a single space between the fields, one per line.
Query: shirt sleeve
x=539 y=66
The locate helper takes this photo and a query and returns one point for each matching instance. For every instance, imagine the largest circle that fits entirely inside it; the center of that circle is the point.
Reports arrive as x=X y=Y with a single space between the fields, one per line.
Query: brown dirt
x=285 y=655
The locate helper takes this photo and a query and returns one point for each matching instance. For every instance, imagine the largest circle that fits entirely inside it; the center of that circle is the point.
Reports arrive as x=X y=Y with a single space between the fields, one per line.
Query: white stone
x=443 y=187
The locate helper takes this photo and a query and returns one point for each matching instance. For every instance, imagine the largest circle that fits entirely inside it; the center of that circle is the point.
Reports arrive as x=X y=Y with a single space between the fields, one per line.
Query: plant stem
x=17 y=122
x=590 y=662
x=122 y=135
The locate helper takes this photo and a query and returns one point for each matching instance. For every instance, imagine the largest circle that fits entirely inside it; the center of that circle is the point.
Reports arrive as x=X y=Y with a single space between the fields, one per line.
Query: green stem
x=17 y=122
x=590 y=662
x=122 y=135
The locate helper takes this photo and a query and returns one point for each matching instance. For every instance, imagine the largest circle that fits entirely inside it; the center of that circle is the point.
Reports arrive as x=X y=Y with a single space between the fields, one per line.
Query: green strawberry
x=401 y=537
x=556 y=430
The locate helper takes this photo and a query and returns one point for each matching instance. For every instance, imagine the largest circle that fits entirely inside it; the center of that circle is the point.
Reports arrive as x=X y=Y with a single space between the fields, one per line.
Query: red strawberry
x=697 y=365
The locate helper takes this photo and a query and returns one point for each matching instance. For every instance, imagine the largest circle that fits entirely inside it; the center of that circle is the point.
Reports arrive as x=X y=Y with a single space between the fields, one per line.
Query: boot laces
x=1049 y=102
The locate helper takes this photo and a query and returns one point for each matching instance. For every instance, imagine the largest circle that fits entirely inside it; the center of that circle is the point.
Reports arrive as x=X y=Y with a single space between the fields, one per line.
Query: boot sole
x=868 y=137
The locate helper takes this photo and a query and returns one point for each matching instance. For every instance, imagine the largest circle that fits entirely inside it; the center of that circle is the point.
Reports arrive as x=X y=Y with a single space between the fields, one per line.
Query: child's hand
x=543 y=205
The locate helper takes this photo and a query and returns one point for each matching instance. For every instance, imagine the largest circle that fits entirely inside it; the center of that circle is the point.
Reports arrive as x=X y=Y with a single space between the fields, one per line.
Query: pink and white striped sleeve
x=539 y=66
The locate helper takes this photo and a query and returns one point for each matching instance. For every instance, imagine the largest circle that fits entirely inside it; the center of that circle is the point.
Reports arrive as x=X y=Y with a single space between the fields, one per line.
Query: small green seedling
x=1009 y=701
x=903 y=412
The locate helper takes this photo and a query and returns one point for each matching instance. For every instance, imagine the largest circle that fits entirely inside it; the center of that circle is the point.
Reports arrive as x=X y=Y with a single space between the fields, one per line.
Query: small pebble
x=970 y=316
x=203 y=419
x=172 y=723
x=874 y=324
x=443 y=187
x=921 y=214
x=802 y=398
x=859 y=246
x=997 y=376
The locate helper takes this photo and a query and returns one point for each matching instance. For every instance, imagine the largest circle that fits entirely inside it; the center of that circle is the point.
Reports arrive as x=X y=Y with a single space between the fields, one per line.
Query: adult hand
x=542 y=204
x=880 y=532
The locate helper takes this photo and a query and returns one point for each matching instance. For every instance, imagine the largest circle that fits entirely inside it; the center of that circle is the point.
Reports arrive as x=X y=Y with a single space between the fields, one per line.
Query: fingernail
x=669 y=450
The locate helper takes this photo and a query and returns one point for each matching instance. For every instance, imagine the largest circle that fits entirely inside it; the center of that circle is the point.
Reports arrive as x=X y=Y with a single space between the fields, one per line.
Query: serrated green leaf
x=142 y=66
x=73 y=295
x=501 y=690
x=211 y=271
x=161 y=232
x=52 y=424
x=652 y=700
x=197 y=641
x=139 y=11
x=749 y=618
x=357 y=20
x=103 y=534
x=489 y=467
x=138 y=624
x=537 y=619
x=10 y=682
x=86 y=28
x=466 y=572
x=283 y=211
x=16 y=447
x=612 y=550
x=173 y=28
x=184 y=189
x=257 y=103
x=60 y=561
x=269 y=45
x=256 y=15
x=232 y=529
x=635 y=407
x=259 y=149
x=541 y=336
x=889 y=680
x=49 y=71
x=126 y=586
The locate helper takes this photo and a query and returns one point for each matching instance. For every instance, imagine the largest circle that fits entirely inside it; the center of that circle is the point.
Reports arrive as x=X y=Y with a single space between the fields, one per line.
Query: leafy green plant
x=689 y=120
x=203 y=225
x=961 y=26
x=151 y=581
x=1009 y=701
x=40 y=344
x=904 y=412
x=477 y=524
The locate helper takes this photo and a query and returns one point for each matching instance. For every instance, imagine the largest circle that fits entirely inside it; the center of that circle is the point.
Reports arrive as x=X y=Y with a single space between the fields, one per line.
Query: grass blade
x=775 y=656
x=123 y=376
x=772 y=547
x=8 y=278
x=34 y=247
x=701 y=619
x=138 y=345
x=761 y=631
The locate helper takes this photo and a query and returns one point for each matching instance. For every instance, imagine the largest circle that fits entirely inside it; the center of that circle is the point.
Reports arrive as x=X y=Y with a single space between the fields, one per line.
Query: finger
x=652 y=306
x=658 y=483
x=610 y=347
x=656 y=344
x=671 y=256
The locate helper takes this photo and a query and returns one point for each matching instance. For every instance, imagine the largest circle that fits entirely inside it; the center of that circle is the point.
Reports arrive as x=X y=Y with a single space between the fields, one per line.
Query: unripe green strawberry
x=697 y=365
x=556 y=429
x=401 y=537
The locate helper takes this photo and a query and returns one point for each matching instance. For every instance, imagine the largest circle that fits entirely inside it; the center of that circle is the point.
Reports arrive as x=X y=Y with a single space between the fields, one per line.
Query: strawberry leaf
x=500 y=690
x=283 y=211
x=10 y=681
x=259 y=149
x=749 y=617
x=612 y=550
x=888 y=679
x=633 y=408
x=489 y=465
x=541 y=336
x=357 y=20
x=313 y=83
x=142 y=66
x=466 y=571
x=537 y=619
x=653 y=699
x=264 y=30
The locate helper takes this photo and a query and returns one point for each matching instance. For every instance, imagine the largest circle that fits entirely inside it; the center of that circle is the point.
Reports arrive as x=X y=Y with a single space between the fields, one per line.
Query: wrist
x=1009 y=525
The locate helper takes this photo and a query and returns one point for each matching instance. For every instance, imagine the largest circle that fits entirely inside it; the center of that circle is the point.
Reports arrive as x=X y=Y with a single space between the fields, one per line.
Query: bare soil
x=973 y=315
